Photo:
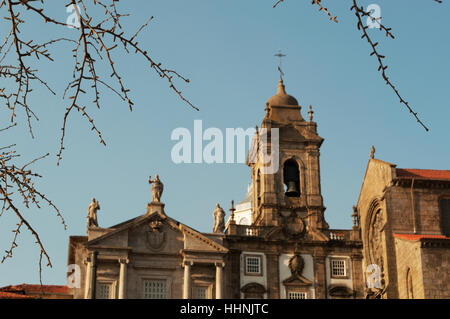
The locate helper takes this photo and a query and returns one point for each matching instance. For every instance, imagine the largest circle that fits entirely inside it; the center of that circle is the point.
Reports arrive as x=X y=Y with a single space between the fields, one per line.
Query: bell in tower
x=289 y=195
x=293 y=189
x=291 y=178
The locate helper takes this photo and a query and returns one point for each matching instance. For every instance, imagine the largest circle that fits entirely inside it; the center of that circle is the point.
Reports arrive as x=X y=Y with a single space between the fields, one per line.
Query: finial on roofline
x=310 y=113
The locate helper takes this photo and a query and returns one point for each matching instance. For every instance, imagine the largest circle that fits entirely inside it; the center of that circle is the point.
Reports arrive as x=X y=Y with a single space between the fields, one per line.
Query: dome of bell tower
x=282 y=98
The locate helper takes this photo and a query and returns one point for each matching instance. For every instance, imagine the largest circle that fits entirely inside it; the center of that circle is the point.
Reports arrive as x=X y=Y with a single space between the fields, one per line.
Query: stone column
x=219 y=280
x=357 y=275
x=273 y=276
x=320 y=275
x=87 y=284
x=187 y=280
x=93 y=288
x=123 y=278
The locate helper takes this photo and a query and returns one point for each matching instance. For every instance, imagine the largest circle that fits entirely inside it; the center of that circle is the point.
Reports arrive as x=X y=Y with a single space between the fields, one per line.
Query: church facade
x=276 y=242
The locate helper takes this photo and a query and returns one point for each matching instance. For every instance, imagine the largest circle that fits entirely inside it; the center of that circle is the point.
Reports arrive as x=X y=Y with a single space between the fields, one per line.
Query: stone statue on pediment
x=94 y=206
x=219 y=220
x=157 y=188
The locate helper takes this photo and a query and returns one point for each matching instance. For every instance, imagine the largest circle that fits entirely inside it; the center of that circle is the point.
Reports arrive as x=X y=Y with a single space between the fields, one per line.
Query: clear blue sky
x=226 y=49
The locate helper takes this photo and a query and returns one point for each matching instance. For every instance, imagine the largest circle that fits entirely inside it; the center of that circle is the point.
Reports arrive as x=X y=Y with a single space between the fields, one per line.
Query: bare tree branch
x=360 y=13
x=96 y=34
x=18 y=181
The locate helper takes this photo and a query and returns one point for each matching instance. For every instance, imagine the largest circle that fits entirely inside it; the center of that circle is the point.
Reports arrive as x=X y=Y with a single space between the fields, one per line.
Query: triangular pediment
x=117 y=230
x=193 y=239
x=297 y=280
x=196 y=241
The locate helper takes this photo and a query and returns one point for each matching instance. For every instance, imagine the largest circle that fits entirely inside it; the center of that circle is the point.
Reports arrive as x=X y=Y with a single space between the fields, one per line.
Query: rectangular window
x=104 y=291
x=338 y=268
x=253 y=265
x=445 y=216
x=297 y=295
x=200 y=293
x=155 y=289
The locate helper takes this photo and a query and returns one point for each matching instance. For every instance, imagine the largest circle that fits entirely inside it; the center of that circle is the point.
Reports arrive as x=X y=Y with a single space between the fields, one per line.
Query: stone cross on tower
x=280 y=55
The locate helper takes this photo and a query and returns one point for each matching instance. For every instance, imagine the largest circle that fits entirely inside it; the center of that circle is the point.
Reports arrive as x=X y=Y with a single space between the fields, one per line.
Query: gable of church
x=156 y=233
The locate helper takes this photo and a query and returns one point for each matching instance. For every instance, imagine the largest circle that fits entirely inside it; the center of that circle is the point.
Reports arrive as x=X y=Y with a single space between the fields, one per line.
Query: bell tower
x=291 y=192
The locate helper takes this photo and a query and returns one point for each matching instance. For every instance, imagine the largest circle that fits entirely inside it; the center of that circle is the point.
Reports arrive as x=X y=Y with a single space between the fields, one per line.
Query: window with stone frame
x=338 y=268
x=294 y=294
x=444 y=204
x=155 y=289
x=253 y=290
x=253 y=265
x=104 y=290
x=200 y=292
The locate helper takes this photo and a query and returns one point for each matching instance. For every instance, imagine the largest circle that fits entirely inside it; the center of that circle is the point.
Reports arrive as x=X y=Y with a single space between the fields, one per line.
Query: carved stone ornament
x=293 y=226
x=155 y=236
x=375 y=244
x=155 y=225
x=296 y=265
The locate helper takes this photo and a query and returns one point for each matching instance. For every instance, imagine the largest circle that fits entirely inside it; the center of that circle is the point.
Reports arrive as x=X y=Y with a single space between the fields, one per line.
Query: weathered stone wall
x=372 y=199
x=420 y=204
x=436 y=274
x=77 y=256
x=408 y=254
x=277 y=252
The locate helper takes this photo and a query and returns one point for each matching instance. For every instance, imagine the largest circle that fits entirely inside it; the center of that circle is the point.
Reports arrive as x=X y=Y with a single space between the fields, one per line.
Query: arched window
x=253 y=291
x=258 y=188
x=244 y=221
x=291 y=178
x=409 y=284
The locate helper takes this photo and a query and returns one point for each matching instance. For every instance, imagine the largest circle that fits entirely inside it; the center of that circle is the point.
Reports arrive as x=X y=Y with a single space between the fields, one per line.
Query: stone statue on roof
x=219 y=220
x=157 y=188
x=94 y=206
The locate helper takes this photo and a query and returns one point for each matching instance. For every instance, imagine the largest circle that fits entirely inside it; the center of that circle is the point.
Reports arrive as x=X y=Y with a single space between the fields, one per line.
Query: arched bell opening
x=291 y=178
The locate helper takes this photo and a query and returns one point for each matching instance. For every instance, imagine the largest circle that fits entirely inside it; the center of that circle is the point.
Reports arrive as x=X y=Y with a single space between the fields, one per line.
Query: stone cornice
x=421 y=183
x=187 y=230
x=91 y=248
x=340 y=243
x=434 y=243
